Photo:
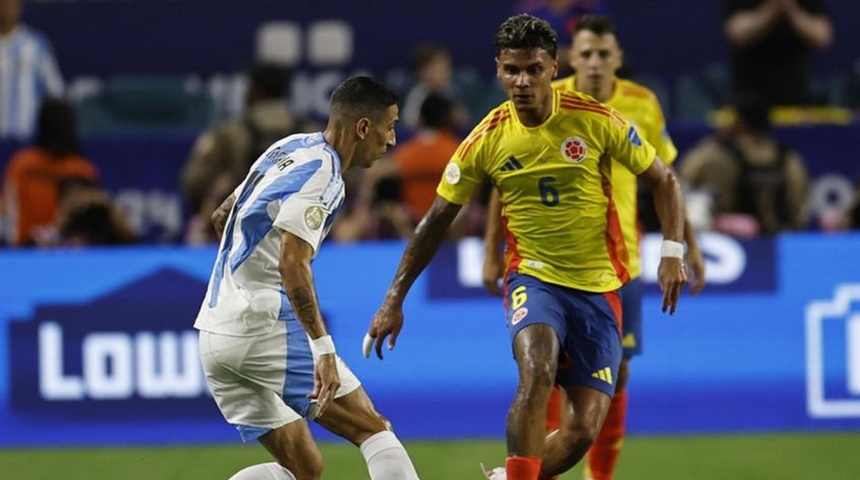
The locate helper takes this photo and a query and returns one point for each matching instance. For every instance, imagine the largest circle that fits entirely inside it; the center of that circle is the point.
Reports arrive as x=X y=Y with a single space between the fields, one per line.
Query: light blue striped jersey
x=295 y=186
x=28 y=73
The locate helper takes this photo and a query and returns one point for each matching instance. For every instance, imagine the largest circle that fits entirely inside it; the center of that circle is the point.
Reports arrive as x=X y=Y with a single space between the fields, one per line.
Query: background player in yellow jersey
x=549 y=153
x=596 y=56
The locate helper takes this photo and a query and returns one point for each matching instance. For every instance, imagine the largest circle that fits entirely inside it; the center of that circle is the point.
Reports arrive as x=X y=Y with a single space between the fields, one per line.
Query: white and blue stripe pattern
x=299 y=173
x=28 y=73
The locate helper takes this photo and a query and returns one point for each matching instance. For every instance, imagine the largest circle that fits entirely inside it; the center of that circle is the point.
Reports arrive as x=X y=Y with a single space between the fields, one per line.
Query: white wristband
x=672 y=249
x=324 y=345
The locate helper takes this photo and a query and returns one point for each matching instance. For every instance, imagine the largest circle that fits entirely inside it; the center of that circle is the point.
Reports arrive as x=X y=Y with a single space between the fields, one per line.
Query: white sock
x=386 y=458
x=264 y=471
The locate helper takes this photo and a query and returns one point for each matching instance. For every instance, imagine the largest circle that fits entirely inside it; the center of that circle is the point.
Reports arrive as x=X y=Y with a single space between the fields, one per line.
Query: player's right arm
x=493 y=261
x=219 y=216
x=298 y=280
x=428 y=235
x=462 y=175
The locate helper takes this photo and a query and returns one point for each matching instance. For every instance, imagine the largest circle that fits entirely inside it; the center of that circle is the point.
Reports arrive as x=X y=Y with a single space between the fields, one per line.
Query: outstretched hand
x=696 y=263
x=387 y=321
x=326 y=382
x=672 y=277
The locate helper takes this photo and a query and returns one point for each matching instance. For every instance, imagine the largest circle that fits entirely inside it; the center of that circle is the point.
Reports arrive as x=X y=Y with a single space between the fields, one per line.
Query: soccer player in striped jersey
x=263 y=345
x=550 y=155
x=28 y=73
x=596 y=57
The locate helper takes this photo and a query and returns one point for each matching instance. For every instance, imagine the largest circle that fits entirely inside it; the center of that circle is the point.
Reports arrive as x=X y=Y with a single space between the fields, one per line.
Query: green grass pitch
x=832 y=456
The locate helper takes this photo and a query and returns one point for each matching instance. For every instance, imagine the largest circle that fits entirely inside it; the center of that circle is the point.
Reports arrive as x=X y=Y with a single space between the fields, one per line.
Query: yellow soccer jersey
x=559 y=216
x=641 y=107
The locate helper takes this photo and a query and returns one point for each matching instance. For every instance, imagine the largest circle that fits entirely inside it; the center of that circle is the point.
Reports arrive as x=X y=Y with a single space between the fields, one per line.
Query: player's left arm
x=659 y=137
x=297 y=277
x=669 y=204
x=219 y=216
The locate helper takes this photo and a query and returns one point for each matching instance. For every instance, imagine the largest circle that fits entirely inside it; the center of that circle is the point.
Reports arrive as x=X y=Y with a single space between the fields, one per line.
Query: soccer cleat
x=497 y=473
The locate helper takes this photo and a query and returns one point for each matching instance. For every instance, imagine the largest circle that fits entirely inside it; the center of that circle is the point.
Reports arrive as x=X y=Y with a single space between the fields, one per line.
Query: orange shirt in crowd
x=31 y=191
x=421 y=161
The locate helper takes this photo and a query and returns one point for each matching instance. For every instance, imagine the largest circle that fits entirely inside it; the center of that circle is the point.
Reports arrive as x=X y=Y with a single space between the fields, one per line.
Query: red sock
x=603 y=455
x=522 y=468
x=553 y=409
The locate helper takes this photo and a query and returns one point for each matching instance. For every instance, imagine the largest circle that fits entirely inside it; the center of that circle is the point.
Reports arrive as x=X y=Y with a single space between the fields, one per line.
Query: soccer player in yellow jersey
x=549 y=153
x=596 y=56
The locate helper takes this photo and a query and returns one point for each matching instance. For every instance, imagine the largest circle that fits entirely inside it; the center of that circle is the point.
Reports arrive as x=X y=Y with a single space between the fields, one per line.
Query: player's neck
x=342 y=143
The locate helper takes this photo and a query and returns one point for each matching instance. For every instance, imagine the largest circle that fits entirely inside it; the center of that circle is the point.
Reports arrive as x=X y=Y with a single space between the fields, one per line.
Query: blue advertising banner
x=97 y=347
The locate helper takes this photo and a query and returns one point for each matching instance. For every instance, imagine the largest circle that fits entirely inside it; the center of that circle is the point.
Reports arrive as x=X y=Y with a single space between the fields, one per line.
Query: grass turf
x=832 y=456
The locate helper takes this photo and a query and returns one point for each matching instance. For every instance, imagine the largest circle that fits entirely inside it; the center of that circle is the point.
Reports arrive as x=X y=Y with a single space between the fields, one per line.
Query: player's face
x=595 y=58
x=378 y=137
x=10 y=13
x=526 y=75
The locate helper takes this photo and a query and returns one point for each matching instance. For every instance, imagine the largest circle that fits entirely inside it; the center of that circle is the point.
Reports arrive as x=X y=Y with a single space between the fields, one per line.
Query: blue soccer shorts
x=631 y=331
x=588 y=326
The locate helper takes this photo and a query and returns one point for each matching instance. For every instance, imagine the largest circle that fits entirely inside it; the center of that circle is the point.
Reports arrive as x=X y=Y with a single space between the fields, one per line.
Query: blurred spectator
x=31 y=191
x=397 y=191
x=435 y=73
x=771 y=46
x=853 y=215
x=422 y=159
x=88 y=217
x=223 y=153
x=562 y=15
x=28 y=73
x=756 y=184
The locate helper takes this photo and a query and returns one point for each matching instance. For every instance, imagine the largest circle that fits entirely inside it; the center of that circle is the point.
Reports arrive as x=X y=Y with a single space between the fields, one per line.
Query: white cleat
x=497 y=473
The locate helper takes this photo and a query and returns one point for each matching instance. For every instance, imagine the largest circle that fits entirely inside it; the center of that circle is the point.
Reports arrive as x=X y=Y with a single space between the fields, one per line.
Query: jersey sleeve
x=629 y=148
x=659 y=136
x=303 y=212
x=464 y=172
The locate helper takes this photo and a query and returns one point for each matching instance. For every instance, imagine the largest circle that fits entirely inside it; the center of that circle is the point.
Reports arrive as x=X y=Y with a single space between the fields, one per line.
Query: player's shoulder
x=581 y=105
x=496 y=117
x=564 y=84
x=630 y=89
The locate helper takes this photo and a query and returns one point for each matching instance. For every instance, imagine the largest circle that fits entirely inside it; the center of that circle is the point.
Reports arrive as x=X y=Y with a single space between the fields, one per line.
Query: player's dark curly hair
x=360 y=96
x=526 y=32
x=599 y=24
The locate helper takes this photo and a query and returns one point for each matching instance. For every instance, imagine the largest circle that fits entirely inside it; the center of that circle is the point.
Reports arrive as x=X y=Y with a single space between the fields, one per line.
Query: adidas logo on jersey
x=604 y=374
x=512 y=164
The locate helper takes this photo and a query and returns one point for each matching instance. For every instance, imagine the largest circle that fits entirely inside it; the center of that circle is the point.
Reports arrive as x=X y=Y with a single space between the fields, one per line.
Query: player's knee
x=308 y=466
x=580 y=435
x=623 y=375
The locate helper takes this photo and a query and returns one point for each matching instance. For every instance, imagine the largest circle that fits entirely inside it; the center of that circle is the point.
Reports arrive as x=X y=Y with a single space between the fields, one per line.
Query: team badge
x=314 y=217
x=519 y=315
x=633 y=136
x=574 y=149
x=452 y=173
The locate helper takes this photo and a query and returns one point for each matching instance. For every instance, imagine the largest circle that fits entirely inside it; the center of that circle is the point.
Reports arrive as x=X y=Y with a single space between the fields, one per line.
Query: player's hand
x=696 y=264
x=326 y=382
x=387 y=321
x=672 y=277
x=493 y=273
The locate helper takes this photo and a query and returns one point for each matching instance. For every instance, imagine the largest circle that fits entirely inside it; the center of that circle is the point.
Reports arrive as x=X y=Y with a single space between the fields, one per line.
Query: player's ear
x=498 y=69
x=620 y=58
x=362 y=127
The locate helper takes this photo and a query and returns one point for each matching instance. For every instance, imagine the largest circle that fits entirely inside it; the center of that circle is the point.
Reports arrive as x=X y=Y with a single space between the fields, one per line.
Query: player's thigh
x=529 y=302
x=353 y=417
x=631 y=326
x=246 y=377
x=593 y=343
